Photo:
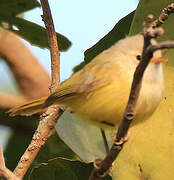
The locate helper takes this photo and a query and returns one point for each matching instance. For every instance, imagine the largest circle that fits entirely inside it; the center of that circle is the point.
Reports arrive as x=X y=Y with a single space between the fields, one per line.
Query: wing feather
x=95 y=75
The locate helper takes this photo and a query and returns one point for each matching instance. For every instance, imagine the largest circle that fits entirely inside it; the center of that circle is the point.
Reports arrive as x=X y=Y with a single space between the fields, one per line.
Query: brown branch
x=121 y=137
x=2 y=162
x=11 y=100
x=54 y=50
x=4 y=171
x=163 y=45
x=164 y=15
x=25 y=67
x=44 y=131
x=49 y=119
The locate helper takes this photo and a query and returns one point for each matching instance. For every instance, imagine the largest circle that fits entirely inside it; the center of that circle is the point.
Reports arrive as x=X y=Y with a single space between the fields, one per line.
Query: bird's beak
x=158 y=60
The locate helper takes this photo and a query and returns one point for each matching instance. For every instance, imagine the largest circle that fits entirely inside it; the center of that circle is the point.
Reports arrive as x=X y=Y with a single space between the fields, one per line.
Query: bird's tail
x=29 y=108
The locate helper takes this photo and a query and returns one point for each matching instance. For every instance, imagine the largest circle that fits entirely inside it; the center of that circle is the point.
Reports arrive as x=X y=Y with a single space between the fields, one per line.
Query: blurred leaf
x=55 y=147
x=14 y=7
x=154 y=7
x=57 y=161
x=16 y=146
x=60 y=168
x=63 y=169
x=119 y=31
x=22 y=130
x=19 y=123
x=33 y=33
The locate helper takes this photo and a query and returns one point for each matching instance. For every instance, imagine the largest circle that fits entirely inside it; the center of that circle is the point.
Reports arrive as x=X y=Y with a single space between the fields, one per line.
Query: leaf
x=151 y=7
x=53 y=148
x=33 y=33
x=63 y=169
x=22 y=129
x=59 y=168
x=14 y=7
x=119 y=31
x=15 y=147
x=57 y=161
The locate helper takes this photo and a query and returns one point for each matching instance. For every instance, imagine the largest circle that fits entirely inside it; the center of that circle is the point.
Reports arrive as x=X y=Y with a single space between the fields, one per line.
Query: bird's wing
x=93 y=76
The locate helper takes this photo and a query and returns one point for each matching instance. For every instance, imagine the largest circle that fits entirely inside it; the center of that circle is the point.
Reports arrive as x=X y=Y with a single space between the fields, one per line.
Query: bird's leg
x=97 y=162
x=105 y=140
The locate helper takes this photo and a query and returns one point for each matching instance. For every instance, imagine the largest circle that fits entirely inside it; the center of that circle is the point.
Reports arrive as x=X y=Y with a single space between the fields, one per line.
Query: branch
x=4 y=171
x=49 y=119
x=44 y=131
x=164 y=15
x=11 y=100
x=148 y=32
x=163 y=45
x=54 y=50
x=25 y=67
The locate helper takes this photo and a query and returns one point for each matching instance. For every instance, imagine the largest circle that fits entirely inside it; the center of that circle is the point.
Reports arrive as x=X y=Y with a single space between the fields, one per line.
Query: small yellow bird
x=99 y=92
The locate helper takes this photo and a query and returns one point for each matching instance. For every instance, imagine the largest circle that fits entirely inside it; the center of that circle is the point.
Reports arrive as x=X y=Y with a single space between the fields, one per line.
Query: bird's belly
x=105 y=107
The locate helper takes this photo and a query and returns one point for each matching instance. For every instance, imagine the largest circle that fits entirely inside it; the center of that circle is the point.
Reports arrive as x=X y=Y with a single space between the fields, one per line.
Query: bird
x=99 y=92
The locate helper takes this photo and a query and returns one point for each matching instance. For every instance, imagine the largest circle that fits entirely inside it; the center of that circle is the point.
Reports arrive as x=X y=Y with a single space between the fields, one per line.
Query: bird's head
x=133 y=46
x=130 y=50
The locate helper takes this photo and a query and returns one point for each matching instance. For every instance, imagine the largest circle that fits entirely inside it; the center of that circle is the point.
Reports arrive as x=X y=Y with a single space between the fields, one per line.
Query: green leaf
x=119 y=31
x=14 y=7
x=63 y=169
x=16 y=145
x=22 y=129
x=60 y=168
x=58 y=148
x=57 y=161
x=154 y=7
x=53 y=148
x=33 y=33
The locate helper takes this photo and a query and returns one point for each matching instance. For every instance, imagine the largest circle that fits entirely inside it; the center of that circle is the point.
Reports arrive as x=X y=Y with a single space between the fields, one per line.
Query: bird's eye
x=138 y=57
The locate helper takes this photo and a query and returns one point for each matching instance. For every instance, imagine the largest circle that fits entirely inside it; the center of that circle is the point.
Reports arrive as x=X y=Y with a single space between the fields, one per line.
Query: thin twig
x=54 y=50
x=163 y=45
x=4 y=171
x=105 y=141
x=121 y=137
x=49 y=119
x=164 y=15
